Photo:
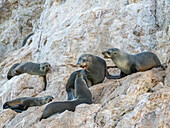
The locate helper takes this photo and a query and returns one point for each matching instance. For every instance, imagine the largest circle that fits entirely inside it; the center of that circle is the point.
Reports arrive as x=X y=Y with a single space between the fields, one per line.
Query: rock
x=66 y=29
x=6 y=116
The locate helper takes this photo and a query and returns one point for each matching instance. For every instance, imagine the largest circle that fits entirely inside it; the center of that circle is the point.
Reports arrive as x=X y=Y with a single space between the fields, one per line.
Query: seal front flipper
x=19 y=107
x=16 y=73
x=133 y=69
x=25 y=40
x=45 y=82
x=70 y=94
x=108 y=76
x=70 y=85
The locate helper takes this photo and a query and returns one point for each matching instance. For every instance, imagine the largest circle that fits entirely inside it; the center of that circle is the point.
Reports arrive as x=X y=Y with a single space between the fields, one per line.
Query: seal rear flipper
x=9 y=77
x=6 y=106
x=70 y=94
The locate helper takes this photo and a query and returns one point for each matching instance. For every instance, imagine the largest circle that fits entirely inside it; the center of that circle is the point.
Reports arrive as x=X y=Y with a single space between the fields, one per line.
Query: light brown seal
x=129 y=64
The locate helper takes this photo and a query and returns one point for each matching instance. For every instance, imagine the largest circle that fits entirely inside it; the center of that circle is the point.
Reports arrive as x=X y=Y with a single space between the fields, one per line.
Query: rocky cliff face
x=66 y=29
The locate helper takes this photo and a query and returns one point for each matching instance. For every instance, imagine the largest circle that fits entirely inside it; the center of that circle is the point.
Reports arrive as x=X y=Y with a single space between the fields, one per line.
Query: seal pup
x=83 y=95
x=26 y=38
x=32 y=69
x=10 y=73
x=129 y=64
x=94 y=72
x=21 y=104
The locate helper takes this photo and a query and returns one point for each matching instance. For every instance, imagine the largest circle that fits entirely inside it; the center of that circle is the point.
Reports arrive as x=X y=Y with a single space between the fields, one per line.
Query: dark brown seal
x=83 y=95
x=30 y=68
x=22 y=104
x=94 y=69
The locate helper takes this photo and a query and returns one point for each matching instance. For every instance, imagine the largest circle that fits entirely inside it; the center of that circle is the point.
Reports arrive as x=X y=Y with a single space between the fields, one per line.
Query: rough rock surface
x=65 y=29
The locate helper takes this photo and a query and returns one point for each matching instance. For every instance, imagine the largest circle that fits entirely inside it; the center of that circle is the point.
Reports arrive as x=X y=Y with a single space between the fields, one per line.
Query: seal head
x=45 y=67
x=85 y=61
x=112 y=52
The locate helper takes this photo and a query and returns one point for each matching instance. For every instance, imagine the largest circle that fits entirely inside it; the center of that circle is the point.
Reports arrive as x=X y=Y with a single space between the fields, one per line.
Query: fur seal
x=83 y=95
x=10 y=73
x=32 y=69
x=25 y=40
x=22 y=104
x=94 y=69
x=129 y=64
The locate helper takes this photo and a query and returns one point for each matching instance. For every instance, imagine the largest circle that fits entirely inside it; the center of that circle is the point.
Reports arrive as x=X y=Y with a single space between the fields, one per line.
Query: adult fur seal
x=129 y=64
x=25 y=40
x=83 y=95
x=32 y=69
x=10 y=73
x=22 y=104
x=94 y=69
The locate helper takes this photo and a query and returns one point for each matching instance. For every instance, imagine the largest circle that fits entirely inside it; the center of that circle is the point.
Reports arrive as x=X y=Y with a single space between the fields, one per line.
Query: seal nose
x=103 y=53
x=51 y=98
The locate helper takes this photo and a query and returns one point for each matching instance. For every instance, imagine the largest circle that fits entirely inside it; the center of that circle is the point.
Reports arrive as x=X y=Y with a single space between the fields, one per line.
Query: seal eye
x=43 y=67
x=84 y=60
x=114 y=53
